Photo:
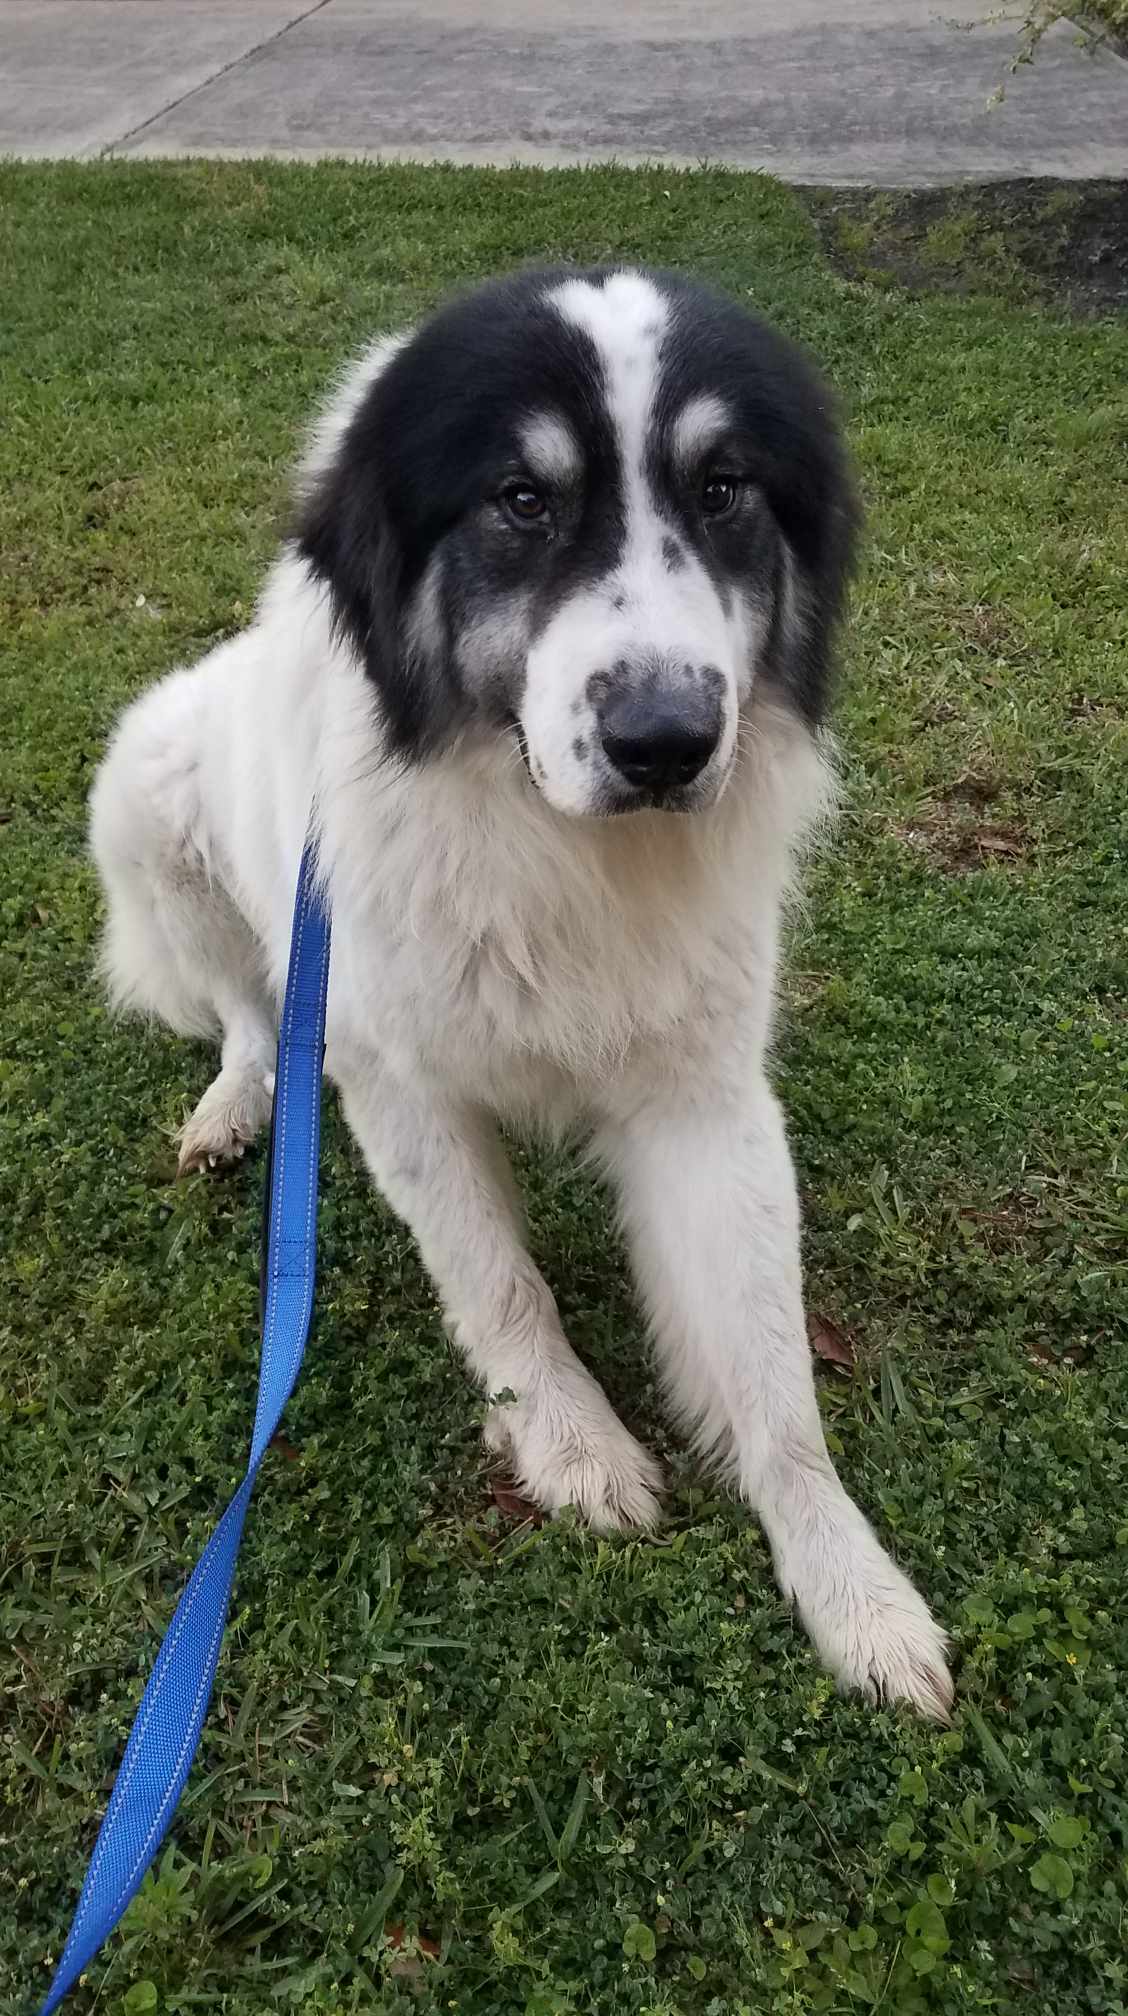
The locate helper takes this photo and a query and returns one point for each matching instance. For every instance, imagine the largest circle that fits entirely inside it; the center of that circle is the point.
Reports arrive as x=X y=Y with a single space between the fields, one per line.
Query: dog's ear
x=820 y=543
x=815 y=504
x=347 y=534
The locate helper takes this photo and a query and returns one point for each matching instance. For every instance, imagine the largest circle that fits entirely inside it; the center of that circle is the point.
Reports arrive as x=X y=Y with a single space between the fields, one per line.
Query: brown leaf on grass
x=830 y=1343
x=1070 y=1354
x=510 y=1502
x=284 y=1448
x=409 y=1966
x=396 y=1934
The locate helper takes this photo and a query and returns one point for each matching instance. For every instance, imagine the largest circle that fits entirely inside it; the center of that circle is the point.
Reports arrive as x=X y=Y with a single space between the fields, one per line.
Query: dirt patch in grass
x=954 y=839
x=989 y=631
x=976 y=788
x=1064 y=243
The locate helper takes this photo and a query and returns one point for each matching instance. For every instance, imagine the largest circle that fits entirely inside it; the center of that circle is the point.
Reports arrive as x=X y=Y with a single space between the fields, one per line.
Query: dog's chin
x=612 y=800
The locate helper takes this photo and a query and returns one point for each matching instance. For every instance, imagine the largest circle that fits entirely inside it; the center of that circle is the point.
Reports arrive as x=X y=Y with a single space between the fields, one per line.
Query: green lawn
x=1099 y=17
x=456 y=1763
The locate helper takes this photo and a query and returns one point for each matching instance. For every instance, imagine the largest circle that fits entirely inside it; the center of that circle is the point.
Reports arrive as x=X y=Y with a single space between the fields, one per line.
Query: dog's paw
x=234 y=1109
x=597 y=1467
x=867 y=1622
x=889 y=1648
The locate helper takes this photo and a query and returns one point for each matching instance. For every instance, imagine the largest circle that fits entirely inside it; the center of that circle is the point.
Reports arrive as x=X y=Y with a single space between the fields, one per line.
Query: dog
x=545 y=659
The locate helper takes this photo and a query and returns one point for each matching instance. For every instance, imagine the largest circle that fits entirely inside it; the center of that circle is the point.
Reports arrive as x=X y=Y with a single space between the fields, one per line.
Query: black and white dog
x=547 y=656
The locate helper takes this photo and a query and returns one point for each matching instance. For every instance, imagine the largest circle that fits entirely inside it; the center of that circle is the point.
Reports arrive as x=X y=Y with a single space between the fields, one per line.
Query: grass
x=1103 y=18
x=457 y=1763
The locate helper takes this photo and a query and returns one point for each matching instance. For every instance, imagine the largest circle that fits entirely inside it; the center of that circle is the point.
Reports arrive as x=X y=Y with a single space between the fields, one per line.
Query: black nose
x=658 y=744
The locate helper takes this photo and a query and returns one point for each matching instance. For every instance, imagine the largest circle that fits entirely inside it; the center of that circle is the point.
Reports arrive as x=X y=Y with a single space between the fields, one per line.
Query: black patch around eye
x=787 y=444
x=408 y=477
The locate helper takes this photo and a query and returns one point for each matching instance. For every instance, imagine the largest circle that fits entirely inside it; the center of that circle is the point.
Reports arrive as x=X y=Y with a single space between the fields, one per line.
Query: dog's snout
x=659 y=742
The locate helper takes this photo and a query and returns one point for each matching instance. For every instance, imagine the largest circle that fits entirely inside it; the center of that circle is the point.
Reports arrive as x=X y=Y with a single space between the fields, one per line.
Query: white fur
x=701 y=420
x=495 y=957
x=551 y=448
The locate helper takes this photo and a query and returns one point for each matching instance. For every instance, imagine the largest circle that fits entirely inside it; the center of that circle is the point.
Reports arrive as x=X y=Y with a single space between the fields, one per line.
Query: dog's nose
x=658 y=744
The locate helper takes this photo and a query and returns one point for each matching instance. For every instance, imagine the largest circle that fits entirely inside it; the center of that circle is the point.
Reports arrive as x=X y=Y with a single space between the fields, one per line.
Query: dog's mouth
x=617 y=801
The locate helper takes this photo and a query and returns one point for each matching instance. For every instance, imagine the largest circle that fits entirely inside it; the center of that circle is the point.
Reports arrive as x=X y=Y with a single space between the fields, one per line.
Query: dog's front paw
x=887 y=1647
x=867 y=1622
x=234 y=1109
x=596 y=1465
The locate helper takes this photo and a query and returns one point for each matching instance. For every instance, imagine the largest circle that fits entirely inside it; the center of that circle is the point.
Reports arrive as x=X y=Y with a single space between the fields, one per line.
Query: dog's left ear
x=347 y=535
x=816 y=506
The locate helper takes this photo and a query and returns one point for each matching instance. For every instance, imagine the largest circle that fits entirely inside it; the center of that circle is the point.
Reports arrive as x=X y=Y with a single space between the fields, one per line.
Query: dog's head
x=592 y=511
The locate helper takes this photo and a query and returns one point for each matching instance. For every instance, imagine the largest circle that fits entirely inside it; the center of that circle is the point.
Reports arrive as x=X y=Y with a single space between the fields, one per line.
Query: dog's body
x=573 y=551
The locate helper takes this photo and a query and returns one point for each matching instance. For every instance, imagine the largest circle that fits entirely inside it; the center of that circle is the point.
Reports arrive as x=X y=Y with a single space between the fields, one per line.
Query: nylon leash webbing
x=166 y=1730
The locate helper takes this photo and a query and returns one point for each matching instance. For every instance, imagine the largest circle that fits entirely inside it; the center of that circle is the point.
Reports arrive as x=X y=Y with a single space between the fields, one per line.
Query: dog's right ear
x=345 y=532
x=344 y=536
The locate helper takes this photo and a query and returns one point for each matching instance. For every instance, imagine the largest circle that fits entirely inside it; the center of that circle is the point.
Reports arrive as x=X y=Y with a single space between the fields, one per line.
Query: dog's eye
x=523 y=503
x=718 y=495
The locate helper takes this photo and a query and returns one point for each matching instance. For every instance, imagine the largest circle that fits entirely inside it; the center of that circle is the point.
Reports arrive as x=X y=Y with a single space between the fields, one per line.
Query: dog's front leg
x=441 y=1166
x=709 y=1203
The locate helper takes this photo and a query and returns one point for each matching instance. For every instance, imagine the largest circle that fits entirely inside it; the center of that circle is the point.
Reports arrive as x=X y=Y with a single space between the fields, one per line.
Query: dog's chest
x=514 y=986
x=506 y=961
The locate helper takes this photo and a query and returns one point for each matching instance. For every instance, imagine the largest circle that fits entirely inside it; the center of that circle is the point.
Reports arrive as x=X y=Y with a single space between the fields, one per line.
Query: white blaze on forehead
x=626 y=318
x=646 y=609
x=701 y=422
x=550 y=448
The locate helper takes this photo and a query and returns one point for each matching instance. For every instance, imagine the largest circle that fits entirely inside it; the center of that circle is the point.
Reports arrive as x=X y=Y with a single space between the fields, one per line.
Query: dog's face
x=592 y=513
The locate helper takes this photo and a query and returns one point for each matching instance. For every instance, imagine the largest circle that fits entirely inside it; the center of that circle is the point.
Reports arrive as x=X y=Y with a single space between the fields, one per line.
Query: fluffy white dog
x=546 y=660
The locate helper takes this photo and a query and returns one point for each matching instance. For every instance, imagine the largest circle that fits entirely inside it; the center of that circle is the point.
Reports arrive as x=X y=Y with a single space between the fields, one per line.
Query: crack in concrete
x=205 y=83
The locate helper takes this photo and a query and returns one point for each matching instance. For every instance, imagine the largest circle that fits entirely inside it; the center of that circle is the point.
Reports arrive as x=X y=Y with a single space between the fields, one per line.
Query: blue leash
x=167 y=1728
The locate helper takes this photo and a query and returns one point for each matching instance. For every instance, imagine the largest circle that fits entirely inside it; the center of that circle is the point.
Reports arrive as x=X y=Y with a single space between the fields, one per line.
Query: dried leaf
x=409 y=1965
x=285 y=1448
x=827 y=1341
x=510 y=1502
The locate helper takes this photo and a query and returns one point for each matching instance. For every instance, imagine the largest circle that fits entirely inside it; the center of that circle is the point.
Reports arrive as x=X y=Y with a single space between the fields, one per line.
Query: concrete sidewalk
x=862 y=91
